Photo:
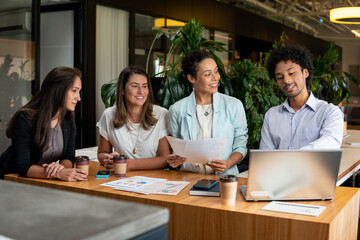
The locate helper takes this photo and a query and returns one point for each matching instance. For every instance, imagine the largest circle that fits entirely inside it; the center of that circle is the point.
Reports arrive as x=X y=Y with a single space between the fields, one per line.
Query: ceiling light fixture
x=356 y=32
x=345 y=15
x=160 y=22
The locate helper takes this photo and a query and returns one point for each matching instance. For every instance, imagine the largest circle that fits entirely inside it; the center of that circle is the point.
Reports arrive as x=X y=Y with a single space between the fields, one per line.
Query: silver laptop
x=292 y=175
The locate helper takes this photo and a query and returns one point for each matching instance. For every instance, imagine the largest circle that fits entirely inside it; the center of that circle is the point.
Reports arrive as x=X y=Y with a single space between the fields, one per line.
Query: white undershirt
x=204 y=116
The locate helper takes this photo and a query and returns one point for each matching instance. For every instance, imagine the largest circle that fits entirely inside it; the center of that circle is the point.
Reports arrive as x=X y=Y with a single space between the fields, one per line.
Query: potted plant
x=327 y=83
x=175 y=86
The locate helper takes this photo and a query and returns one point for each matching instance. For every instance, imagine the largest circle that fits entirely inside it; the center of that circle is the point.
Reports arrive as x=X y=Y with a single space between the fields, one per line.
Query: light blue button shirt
x=317 y=125
x=229 y=120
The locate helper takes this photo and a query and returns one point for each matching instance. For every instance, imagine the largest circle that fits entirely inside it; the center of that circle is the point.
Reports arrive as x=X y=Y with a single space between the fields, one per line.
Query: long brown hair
x=46 y=103
x=146 y=119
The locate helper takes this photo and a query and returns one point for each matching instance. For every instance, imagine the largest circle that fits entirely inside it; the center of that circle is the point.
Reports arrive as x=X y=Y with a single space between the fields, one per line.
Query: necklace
x=207 y=109
x=137 y=138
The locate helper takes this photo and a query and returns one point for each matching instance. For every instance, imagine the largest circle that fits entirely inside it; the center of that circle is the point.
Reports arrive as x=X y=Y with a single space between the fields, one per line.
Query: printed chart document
x=164 y=188
x=198 y=151
x=288 y=207
x=132 y=183
x=147 y=185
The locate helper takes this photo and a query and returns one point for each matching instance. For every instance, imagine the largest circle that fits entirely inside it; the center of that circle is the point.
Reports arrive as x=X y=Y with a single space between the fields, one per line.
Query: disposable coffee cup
x=228 y=189
x=120 y=162
x=82 y=162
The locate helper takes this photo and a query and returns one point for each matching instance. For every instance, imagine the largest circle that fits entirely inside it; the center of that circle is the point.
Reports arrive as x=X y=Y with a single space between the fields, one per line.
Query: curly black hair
x=192 y=59
x=295 y=53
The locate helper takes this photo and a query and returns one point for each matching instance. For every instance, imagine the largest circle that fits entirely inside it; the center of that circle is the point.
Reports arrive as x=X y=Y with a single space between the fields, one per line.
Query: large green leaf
x=108 y=93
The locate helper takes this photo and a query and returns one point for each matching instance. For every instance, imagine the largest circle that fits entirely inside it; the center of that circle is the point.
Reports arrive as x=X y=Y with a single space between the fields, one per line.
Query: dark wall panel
x=203 y=11
x=119 y=3
x=179 y=10
x=253 y=26
x=256 y=27
x=315 y=45
x=223 y=17
x=157 y=7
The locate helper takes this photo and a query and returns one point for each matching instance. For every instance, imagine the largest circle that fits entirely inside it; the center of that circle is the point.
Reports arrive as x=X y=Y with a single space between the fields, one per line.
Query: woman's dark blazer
x=22 y=153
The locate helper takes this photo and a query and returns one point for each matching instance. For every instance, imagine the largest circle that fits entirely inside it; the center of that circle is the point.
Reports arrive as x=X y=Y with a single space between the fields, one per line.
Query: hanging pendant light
x=356 y=32
x=345 y=15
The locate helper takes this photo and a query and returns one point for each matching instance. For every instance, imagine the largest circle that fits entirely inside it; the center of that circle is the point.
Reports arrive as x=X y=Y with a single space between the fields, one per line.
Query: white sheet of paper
x=198 y=151
x=304 y=209
x=147 y=185
x=164 y=188
x=132 y=183
x=353 y=143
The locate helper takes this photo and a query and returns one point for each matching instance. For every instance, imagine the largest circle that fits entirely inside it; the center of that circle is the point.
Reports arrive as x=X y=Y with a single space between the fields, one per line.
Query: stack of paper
x=198 y=151
x=296 y=208
x=146 y=185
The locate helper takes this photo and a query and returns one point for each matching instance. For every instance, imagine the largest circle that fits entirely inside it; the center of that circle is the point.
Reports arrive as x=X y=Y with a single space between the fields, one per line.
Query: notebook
x=212 y=192
x=292 y=175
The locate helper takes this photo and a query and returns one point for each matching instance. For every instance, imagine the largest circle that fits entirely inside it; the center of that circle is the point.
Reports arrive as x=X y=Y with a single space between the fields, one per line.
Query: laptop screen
x=292 y=174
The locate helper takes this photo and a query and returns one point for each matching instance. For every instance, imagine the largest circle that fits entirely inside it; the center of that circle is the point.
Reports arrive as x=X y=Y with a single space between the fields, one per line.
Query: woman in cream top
x=134 y=126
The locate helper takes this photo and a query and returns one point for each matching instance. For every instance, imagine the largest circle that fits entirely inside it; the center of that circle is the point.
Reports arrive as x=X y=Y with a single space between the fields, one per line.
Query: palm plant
x=175 y=85
x=327 y=83
x=253 y=86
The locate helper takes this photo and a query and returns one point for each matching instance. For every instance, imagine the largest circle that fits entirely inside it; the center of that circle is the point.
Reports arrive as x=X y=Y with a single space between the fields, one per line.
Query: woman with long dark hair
x=134 y=126
x=43 y=131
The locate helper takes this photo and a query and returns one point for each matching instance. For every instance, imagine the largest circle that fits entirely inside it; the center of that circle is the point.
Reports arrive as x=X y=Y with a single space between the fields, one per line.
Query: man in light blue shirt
x=302 y=121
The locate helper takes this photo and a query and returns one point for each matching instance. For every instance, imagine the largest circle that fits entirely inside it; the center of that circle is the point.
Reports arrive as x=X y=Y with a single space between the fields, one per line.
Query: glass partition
x=56 y=49
x=17 y=61
x=226 y=39
x=143 y=39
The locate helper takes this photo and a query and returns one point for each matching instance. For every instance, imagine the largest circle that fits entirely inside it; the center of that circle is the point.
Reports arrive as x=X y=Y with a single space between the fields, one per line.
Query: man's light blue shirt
x=317 y=125
x=229 y=120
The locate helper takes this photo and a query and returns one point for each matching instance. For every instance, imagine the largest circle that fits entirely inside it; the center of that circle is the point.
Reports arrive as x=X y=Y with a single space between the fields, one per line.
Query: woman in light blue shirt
x=205 y=113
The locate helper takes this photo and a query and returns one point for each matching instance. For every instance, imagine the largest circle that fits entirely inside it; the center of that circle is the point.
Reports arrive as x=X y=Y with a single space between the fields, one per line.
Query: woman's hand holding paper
x=174 y=160
x=218 y=165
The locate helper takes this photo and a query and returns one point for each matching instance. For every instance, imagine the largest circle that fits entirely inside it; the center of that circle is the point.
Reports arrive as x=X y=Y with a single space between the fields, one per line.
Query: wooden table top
x=353 y=136
x=92 y=186
x=350 y=160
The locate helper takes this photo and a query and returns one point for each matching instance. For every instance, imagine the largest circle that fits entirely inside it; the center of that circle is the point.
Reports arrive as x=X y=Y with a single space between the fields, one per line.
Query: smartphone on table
x=205 y=183
x=103 y=173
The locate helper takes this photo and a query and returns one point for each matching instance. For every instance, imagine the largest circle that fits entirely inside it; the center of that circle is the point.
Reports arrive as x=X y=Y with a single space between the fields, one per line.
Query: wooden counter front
x=196 y=217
